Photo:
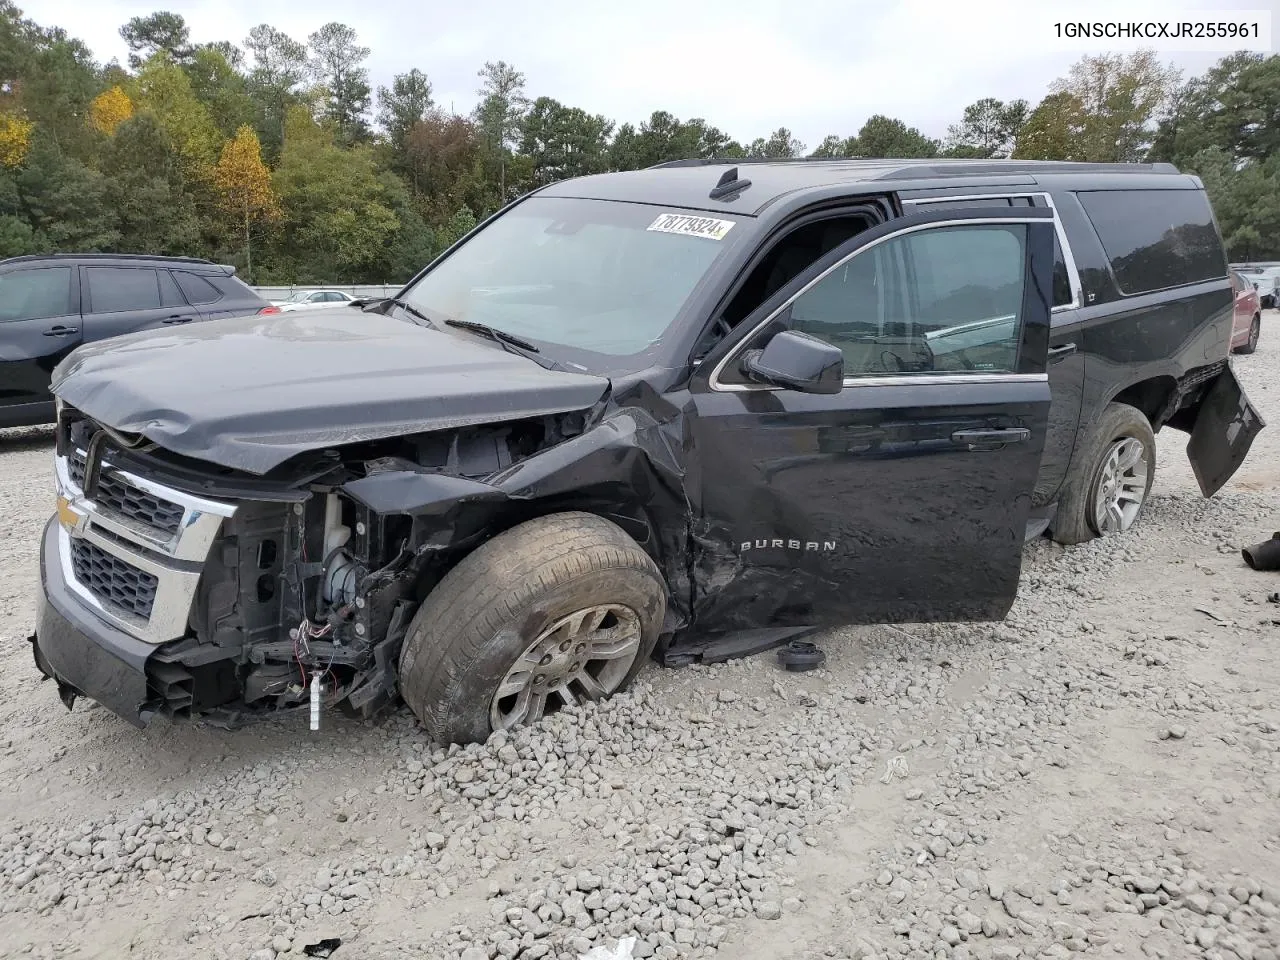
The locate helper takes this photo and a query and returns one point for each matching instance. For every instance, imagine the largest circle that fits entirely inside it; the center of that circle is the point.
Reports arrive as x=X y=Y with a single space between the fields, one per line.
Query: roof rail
x=111 y=256
x=720 y=161
x=940 y=166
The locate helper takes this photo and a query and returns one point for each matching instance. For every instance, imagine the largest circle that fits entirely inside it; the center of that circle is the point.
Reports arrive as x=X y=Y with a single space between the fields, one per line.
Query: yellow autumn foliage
x=243 y=180
x=109 y=109
x=15 y=139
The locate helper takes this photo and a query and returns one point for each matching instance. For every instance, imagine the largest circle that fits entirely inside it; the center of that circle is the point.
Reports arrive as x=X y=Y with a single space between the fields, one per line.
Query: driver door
x=904 y=496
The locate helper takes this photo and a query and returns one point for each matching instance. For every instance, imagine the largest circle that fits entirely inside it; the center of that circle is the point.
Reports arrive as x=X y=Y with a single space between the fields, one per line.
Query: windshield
x=595 y=276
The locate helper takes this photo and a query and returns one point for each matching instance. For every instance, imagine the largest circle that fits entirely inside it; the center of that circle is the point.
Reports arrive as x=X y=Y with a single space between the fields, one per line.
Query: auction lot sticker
x=708 y=227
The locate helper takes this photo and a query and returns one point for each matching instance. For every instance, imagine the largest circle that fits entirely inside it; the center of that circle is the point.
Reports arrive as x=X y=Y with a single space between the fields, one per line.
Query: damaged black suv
x=687 y=412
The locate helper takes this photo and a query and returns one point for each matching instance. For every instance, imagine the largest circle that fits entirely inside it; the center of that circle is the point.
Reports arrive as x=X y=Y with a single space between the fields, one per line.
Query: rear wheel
x=552 y=613
x=1107 y=485
x=1255 y=331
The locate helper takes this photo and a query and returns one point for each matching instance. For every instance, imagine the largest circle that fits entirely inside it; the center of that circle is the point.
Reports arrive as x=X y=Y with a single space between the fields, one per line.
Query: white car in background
x=310 y=299
x=1265 y=278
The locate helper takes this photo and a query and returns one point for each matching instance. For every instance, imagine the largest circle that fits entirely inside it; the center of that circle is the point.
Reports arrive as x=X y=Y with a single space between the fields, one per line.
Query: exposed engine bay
x=307 y=590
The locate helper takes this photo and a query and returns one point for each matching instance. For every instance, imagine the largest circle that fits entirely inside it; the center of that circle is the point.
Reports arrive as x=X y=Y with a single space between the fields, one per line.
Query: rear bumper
x=1225 y=426
x=86 y=656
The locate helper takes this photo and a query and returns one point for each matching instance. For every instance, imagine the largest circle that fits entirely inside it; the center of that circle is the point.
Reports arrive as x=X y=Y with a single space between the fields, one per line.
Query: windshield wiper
x=402 y=304
x=494 y=333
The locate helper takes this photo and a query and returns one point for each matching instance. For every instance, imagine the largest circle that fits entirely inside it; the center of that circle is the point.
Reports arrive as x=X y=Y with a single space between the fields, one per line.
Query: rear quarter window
x=196 y=288
x=1156 y=239
x=235 y=288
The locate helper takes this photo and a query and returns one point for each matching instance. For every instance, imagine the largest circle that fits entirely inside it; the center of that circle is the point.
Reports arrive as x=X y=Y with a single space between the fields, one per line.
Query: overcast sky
x=747 y=66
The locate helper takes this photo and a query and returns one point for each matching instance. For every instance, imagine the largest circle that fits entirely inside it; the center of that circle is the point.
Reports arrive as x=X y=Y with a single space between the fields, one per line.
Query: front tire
x=1106 y=488
x=553 y=612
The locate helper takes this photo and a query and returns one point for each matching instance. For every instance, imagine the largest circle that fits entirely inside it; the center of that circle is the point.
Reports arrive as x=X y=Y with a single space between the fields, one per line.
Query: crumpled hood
x=251 y=392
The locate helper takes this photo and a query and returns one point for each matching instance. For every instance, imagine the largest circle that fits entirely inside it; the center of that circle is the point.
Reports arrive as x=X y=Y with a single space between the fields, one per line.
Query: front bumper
x=85 y=655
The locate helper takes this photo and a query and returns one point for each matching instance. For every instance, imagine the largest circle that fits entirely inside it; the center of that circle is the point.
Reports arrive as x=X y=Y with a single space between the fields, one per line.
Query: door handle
x=61 y=331
x=1059 y=353
x=177 y=318
x=989 y=439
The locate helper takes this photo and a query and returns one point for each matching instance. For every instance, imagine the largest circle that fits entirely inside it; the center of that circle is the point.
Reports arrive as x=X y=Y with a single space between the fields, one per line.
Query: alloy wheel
x=583 y=656
x=1122 y=485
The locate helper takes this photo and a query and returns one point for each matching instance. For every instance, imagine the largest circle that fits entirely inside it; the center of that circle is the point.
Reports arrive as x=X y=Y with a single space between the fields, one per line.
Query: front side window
x=35 y=294
x=939 y=300
x=597 y=280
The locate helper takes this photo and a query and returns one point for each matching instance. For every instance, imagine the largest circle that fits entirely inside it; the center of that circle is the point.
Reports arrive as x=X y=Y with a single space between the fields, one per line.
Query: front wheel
x=552 y=613
x=1110 y=477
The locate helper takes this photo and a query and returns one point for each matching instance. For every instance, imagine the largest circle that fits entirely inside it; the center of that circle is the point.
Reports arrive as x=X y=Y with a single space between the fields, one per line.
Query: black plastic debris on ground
x=324 y=948
x=800 y=655
x=1264 y=555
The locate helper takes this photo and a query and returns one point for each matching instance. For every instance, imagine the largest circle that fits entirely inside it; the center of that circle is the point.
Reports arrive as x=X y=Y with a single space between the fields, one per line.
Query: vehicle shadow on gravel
x=16 y=439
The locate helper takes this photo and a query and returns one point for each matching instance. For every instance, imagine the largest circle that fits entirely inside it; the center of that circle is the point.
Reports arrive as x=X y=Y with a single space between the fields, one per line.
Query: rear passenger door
x=1066 y=348
x=125 y=299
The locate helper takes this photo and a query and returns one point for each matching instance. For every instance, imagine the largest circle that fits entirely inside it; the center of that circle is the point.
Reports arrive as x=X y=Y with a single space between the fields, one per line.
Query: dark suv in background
x=49 y=305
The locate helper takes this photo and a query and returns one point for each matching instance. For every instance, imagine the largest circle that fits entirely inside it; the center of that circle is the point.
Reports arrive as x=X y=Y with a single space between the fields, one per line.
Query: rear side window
x=115 y=289
x=35 y=294
x=235 y=288
x=197 y=289
x=1156 y=239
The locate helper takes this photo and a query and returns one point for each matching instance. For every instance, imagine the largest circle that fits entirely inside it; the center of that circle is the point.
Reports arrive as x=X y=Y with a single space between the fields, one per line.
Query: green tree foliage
x=883 y=136
x=163 y=89
x=1235 y=106
x=779 y=145
x=55 y=81
x=158 y=32
x=1107 y=106
x=63 y=202
x=405 y=103
x=664 y=137
x=880 y=136
x=155 y=155
x=831 y=146
x=988 y=130
x=564 y=142
x=273 y=82
x=154 y=210
x=499 y=115
x=217 y=84
x=337 y=214
x=337 y=63
x=1054 y=131
x=1225 y=127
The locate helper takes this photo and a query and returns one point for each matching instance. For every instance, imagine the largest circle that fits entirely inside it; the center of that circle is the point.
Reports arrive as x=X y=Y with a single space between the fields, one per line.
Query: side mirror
x=797 y=361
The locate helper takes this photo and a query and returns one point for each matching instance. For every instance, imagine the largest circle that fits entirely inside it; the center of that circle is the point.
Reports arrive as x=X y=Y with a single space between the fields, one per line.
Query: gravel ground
x=1099 y=774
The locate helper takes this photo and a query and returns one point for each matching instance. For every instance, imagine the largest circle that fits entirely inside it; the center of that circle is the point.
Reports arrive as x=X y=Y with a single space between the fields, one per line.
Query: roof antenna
x=729 y=185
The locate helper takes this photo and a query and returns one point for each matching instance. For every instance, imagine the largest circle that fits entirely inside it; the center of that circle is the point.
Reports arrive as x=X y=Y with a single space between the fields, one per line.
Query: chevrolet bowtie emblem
x=67 y=516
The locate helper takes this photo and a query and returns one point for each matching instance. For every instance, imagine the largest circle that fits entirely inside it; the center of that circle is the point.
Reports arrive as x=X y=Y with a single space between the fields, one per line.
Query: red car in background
x=1247 y=323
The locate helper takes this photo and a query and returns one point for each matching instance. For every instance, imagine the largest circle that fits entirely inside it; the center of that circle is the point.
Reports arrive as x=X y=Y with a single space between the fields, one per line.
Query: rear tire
x=1104 y=472
x=561 y=609
x=1255 y=331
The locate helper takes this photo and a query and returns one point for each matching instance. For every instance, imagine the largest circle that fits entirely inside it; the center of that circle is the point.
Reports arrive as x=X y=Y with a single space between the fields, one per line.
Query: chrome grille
x=113 y=580
x=115 y=493
x=133 y=553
